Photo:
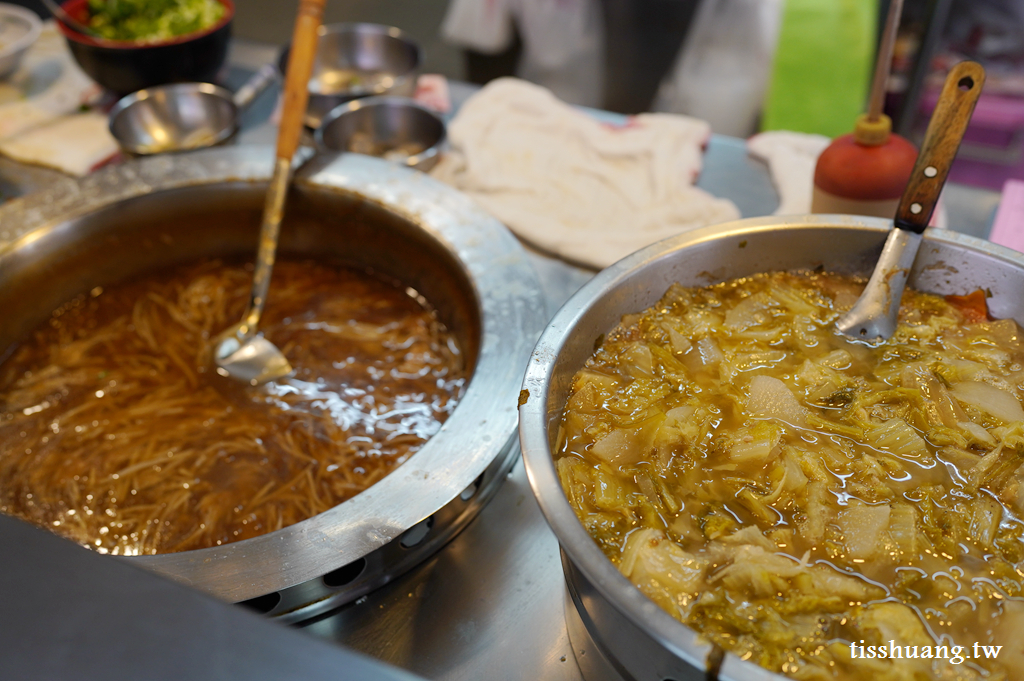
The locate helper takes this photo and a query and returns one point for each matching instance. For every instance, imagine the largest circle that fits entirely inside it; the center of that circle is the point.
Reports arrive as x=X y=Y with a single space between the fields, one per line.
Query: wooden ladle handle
x=296 y=79
x=945 y=131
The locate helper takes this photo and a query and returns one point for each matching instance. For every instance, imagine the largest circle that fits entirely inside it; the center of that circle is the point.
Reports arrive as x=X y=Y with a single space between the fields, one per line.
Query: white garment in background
x=791 y=159
x=721 y=74
x=480 y=25
x=585 y=190
x=563 y=41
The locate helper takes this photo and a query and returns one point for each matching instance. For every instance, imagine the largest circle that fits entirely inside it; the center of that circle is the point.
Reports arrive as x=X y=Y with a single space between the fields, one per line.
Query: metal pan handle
x=254 y=86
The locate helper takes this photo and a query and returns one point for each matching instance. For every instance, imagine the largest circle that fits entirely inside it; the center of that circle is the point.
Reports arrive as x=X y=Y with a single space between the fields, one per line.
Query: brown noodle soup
x=116 y=432
x=813 y=505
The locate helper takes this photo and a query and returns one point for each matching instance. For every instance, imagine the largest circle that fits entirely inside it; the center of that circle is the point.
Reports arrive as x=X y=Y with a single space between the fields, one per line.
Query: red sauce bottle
x=863 y=173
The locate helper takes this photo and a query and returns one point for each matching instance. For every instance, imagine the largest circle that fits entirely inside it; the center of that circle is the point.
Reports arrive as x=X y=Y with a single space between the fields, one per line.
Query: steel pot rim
x=509 y=295
x=577 y=544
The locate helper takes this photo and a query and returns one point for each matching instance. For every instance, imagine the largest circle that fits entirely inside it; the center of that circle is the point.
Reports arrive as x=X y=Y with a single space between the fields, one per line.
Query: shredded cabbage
x=787 y=493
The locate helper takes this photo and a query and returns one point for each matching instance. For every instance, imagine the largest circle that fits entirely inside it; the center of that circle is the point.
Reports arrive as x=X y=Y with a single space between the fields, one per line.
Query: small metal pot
x=374 y=124
x=627 y=636
x=359 y=60
x=164 y=210
x=183 y=116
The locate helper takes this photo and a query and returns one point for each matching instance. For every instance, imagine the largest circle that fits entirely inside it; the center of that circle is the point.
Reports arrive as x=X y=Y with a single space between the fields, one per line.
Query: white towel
x=73 y=144
x=40 y=121
x=585 y=190
x=48 y=84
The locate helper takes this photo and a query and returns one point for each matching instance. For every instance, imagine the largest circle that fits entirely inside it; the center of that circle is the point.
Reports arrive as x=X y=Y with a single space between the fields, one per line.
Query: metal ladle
x=238 y=352
x=183 y=116
x=873 y=317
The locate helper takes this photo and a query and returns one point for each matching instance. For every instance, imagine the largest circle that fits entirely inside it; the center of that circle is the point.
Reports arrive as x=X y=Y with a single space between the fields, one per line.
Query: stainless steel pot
x=626 y=635
x=388 y=122
x=385 y=59
x=164 y=210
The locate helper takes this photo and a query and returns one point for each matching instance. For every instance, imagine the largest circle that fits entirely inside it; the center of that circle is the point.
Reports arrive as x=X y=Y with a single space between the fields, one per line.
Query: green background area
x=823 y=66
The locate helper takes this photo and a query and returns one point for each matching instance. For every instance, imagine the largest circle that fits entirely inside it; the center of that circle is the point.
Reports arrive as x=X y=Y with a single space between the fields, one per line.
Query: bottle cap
x=872 y=133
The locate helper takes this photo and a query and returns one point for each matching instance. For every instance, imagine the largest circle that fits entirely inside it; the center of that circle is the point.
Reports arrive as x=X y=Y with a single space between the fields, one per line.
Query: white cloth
x=582 y=189
x=48 y=84
x=40 y=121
x=73 y=144
x=791 y=158
x=563 y=41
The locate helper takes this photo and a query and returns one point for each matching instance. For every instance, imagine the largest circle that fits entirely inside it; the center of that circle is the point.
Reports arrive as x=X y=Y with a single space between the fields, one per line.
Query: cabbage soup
x=799 y=499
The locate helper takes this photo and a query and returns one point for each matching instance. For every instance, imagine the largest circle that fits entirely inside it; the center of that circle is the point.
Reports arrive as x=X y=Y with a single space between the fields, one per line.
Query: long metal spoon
x=873 y=317
x=239 y=352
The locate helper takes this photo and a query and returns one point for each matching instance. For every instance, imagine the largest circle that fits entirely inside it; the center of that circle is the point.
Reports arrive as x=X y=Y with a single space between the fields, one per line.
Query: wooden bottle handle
x=945 y=131
x=296 y=80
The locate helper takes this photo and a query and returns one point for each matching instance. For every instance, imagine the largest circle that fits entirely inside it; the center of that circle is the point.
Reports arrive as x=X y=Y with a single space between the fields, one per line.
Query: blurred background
x=742 y=65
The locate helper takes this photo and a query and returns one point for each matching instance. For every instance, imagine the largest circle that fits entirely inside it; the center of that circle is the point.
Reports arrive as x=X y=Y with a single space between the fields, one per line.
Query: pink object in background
x=1008 y=227
x=432 y=92
x=993 y=148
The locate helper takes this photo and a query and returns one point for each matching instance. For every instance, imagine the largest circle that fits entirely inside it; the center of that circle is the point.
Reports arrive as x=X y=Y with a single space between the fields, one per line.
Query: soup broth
x=117 y=432
x=804 y=501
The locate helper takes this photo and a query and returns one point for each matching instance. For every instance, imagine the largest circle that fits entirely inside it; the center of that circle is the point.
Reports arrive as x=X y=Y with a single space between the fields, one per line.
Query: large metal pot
x=625 y=634
x=164 y=210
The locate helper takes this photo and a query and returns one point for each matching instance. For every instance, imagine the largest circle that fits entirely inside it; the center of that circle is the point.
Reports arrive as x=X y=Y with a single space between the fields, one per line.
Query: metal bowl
x=162 y=210
x=359 y=60
x=175 y=117
x=630 y=637
x=19 y=29
x=380 y=126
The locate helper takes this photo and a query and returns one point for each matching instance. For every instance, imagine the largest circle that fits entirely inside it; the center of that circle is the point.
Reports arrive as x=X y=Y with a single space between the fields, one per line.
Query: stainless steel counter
x=490 y=604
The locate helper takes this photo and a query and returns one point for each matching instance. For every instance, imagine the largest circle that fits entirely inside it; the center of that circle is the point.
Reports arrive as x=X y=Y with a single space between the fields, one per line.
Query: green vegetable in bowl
x=152 y=20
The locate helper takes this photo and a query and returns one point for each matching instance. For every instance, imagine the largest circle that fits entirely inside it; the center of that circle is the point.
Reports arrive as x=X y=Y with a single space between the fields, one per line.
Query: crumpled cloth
x=581 y=189
x=73 y=144
x=791 y=158
x=40 y=117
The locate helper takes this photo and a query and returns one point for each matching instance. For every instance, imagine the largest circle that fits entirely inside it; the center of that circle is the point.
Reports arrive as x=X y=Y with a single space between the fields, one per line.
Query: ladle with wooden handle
x=239 y=352
x=873 y=317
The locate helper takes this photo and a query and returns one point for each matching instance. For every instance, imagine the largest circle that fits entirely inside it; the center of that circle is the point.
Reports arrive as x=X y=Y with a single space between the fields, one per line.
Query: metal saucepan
x=156 y=212
x=395 y=128
x=627 y=631
x=183 y=116
x=359 y=60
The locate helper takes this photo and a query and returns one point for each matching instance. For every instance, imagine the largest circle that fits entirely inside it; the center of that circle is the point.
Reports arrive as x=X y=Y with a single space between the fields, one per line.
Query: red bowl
x=123 y=66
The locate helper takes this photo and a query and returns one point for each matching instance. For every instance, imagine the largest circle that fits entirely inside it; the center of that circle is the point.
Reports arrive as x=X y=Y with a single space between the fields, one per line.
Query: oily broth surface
x=787 y=493
x=116 y=432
